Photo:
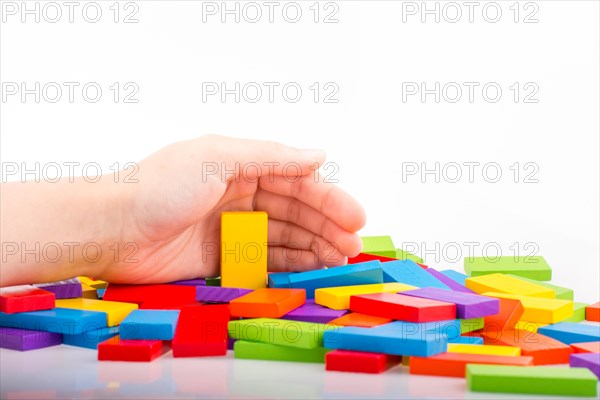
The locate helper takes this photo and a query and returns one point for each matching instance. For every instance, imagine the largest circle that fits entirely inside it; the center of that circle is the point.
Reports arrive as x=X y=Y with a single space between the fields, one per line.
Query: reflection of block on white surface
x=130 y=372
x=202 y=375
x=356 y=384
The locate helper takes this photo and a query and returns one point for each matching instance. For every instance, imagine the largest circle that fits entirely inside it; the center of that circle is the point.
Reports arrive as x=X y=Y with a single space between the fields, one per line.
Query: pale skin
x=165 y=226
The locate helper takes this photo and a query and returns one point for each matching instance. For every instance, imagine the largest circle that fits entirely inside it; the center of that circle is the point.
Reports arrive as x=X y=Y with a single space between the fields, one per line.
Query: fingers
x=232 y=158
x=326 y=198
x=291 y=210
x=286 y=234
x=283 y=259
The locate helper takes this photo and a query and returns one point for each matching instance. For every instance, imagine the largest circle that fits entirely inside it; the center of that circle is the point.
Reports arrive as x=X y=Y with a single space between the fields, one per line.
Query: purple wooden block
x=24 y=339
x=451 y=283
x=219 y=294
x=590 y=361
x=230 y=342
x=68 y=289
x=467 y=305
x=190 y=282
x=311 y=312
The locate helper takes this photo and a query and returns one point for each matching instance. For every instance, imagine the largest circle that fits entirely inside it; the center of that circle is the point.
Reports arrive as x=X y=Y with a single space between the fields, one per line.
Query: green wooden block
x=273 y=352
x=531 y=380
x=561 y=292
x=213 y=281
x=379 y=245
x=472 y=324
x=304 y=335
x=405 y=255
x=578 y=313
x=532 y=267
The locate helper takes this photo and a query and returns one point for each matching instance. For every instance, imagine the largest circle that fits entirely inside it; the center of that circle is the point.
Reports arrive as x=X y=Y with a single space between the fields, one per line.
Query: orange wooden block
x=592 y=312
x=510 y=313
x=543 y=349
x=586 y=347
x=455 y=364
x=360 y=320
x=267 y=303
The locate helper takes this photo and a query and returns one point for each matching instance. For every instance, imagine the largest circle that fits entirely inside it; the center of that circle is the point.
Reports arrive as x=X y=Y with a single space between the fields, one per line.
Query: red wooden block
x=14 y=299
x=422 y=265
x=586 y=347
x=404 y=308
x=357 y=361
x=455 y=364
x=267 y=303
x=510 y=313
x=157 y=296
x=201 y=331
x=115 y=349
x=543 y=349
x=360 y=320
x=362 y=257
x=592 y=312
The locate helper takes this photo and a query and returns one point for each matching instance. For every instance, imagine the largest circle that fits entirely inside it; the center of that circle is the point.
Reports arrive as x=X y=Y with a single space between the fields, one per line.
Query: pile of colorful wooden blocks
x=499 y=325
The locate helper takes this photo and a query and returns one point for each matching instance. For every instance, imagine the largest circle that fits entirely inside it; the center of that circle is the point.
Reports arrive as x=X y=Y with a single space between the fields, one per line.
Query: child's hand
x=167 y=224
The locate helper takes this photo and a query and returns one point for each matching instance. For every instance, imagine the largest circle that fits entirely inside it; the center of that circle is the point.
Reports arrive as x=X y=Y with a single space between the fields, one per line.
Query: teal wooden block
x=466 y=340
x=91 y=338
x=279 y=280
x=571 y=332
x=455 y=276
x=532 y=267
x=59 y=320
x=353 y=274
x=379 y=245
x=578 y=313
x=408 y=272
x=149 y=325
x=560 y=291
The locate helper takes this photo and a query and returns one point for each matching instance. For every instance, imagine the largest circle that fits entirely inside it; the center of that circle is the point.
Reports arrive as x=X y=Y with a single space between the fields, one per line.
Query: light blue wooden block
x=571 y=332
x=455 y=275
x=408 y=272
x=90 y=339
x=150 y=325
x=387 y=341
x=354 y=274
x=60 y=320
x=280 y=280
x=466 y=340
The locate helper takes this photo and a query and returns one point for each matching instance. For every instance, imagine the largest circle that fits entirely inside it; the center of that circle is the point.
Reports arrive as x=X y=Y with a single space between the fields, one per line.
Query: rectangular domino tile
x=559 y=291
x=467 y=305
x=379 y=245
x=510 y=313
x=538 y=309
x=490 y=350
x=531 y=380
x=67 y=289
x=360 y=320
x=409 y=273
x=115 y=311
x=357 y=361
x=273 y=352
x=58 y=320
x=15 y=299
x=312 y=312
x=201 y=331
x=578 y=312
x=446 y=280
x=149 y=325
x=305 y=335
x=404 y=308
x=244 y=249
x=532 y=267
x=338 y=297
x=592 y=312
x=543 y=349
x=454 y=364
x=91 y=338
x=570 y=332
x=590 y=361
x=115 y=349
x=501 y=283
x=219 y=294
x=586 y=347
x=267 y=303
x=23 y=339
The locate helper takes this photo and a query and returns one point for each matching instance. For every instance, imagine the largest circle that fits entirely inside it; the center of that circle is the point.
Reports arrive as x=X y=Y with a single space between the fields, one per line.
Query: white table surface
x=72 y=372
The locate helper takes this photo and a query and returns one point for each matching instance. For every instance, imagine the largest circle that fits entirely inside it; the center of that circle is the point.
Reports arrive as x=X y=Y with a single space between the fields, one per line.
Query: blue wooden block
x=387 y=341
x=455 y=275
x=100 y=293
x=150 y=325
x=571 y=332
x=279 y=280
x=408 y=272
x=354 y=274
x=90 y=339
x=59 y=320
x=466 y=340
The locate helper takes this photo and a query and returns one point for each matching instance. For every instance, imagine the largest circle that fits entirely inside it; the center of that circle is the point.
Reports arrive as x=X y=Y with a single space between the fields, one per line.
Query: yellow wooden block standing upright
x=539 y=309
x=115 y=311
x=484 y=349
x=338 y=298
x=244 y=249
x=500 y=283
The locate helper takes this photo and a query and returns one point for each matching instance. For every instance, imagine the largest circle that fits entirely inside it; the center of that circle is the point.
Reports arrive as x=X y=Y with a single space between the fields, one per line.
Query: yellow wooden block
x=500 y=283
x=338 y=298
x=89 y=292
x=539 y=309
x=529 y=326
x=98 y=284
x=484 y=349
x=115 y=311
x=244 y=249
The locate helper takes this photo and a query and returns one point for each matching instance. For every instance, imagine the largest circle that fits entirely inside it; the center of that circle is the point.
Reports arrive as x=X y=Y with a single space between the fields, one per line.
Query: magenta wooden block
x=67 y=289
x=311 y=312
x=190 y=282
x=590 y=361
x=451 y=283
x=218 y=294
x=24 y=339
x=467 y=305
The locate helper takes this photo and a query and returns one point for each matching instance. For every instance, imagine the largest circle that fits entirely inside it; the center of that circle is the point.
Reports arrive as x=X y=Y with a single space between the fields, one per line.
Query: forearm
x=54 y=231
